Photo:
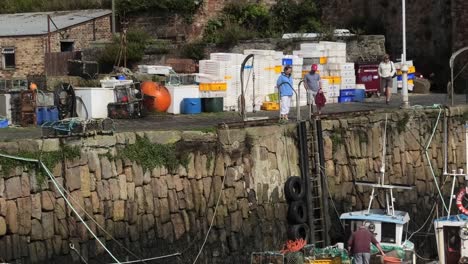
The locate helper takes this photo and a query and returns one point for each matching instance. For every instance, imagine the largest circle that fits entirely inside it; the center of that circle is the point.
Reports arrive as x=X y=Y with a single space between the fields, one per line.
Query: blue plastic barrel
x=191 y=106
x=359 y=95
x=41 y=113
x=52 y=114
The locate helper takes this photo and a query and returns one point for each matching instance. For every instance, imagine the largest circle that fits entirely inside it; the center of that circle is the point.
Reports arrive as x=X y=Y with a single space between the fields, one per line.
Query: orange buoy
x=32 y=86
x=157 y=97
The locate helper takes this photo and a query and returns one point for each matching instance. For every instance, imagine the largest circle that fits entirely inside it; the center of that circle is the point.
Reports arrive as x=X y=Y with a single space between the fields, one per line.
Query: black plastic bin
x=212 y=105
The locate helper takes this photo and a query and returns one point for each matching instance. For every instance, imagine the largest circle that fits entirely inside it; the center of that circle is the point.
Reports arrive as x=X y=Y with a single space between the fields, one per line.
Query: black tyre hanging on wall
x=297 y=212
x=294 y=188
x=298 y=231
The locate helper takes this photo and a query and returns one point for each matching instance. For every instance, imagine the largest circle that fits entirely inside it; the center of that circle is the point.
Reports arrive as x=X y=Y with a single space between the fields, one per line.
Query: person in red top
x=359 y=244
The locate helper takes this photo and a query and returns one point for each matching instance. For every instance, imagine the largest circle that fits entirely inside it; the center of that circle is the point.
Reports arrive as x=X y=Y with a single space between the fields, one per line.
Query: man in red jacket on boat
x=359 y=243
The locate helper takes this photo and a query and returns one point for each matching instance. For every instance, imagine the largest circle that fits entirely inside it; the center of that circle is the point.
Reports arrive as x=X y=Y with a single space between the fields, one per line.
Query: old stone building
x=27 y=40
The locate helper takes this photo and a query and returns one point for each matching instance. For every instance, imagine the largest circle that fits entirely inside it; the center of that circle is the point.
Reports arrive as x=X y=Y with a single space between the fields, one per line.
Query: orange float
x=157 y=97
x=32 y=86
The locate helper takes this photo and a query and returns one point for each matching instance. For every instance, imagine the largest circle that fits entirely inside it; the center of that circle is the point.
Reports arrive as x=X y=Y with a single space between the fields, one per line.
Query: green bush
x=243 y=20
x=183 y=7
x=158 y=47
x=137 y=42
x=194 y=50
x=18 y=6
x=300 y=16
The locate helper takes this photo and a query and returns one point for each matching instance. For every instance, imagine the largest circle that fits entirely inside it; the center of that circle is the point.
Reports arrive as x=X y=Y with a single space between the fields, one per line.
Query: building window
x=66 y=45
x=8 y=58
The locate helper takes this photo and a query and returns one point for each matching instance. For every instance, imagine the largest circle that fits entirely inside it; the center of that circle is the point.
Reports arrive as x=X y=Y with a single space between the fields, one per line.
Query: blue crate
x=359 y=95
x=345 y=99
x=347 y=92
x=3 y=123
x=410 y=77
x=287 y=62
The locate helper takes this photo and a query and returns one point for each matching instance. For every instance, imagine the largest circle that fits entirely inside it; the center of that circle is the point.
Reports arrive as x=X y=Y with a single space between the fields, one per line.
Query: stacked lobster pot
x=294 y=191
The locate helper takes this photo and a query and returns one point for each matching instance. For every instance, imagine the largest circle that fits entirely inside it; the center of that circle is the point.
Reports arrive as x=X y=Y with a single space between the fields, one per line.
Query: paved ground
x=207 y=121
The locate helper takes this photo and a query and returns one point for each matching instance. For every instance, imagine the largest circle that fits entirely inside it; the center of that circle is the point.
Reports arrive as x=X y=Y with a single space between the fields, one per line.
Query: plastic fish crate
x=273 y=97
x=345 y=99
x=270 y=106
x=213 y=86
x=266 y=257
x=347 y=92
x=335 y=260
x=336 y=80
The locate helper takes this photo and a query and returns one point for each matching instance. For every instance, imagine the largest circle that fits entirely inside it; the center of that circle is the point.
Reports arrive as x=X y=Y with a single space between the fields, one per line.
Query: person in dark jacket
x=359 y=244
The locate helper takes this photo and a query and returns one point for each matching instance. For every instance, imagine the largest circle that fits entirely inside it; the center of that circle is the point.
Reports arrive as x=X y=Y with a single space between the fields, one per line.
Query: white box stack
x=231 y=77
x=265 y=69
x=332 y=66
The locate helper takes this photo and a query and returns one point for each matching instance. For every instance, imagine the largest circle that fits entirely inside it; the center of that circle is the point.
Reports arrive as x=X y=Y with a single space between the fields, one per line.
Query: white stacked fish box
x=346 y=73
x=260 y=80
x=231 y=77
x=212 y=72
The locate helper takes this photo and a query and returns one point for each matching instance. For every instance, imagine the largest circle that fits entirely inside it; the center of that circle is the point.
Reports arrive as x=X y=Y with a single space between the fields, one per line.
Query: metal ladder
x=319 y=195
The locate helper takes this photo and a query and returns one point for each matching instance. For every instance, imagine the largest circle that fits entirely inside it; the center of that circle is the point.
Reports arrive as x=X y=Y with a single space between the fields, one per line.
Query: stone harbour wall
x=152 y=212
x=353 y=151
x=169 y=209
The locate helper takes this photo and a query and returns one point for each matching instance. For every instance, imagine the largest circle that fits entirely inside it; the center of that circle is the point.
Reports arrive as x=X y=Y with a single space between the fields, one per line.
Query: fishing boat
x=451 y=230
x=388 y=225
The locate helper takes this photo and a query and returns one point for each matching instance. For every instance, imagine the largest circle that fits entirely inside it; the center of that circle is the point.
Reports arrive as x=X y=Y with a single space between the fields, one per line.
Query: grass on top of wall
x=152 y=155
x=50 y=159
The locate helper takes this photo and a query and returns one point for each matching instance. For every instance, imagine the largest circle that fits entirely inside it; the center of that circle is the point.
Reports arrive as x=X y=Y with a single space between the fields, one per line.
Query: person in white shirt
x=386 y=72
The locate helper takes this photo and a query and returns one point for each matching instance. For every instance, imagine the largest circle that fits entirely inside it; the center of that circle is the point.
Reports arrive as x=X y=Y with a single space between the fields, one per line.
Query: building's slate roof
x=27 y=24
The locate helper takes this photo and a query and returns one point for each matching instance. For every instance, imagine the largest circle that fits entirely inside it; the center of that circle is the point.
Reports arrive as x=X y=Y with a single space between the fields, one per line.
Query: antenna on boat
x=389 y=199
x=384 y=152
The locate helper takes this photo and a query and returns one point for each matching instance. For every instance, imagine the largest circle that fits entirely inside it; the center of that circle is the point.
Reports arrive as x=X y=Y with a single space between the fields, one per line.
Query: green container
x=212 y=105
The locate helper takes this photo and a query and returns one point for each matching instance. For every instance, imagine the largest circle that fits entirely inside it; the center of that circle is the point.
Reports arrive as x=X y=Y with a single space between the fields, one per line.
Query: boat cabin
x=452 y=238
x=388 y=229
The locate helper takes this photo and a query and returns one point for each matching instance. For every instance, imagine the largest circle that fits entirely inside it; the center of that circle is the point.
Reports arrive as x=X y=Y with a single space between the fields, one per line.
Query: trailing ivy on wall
x=151 y=155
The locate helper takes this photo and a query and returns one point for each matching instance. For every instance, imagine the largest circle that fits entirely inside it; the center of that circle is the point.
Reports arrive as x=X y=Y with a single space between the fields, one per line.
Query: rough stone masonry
x=153 y=212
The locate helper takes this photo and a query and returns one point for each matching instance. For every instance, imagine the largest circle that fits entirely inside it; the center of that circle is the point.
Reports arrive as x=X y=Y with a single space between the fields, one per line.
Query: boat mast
x=389 y=199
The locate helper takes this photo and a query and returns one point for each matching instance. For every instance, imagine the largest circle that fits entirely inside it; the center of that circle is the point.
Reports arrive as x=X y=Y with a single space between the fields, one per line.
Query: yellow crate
x=335 y=260
x=328 y=78
x=228 y=77
x=278 y=69
x=411 y=69
x=213 y=86
x=336 y=80
x=205 y=86
x=270 y=106
x=323 y=60
x=410 y=81
x=218 y=87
